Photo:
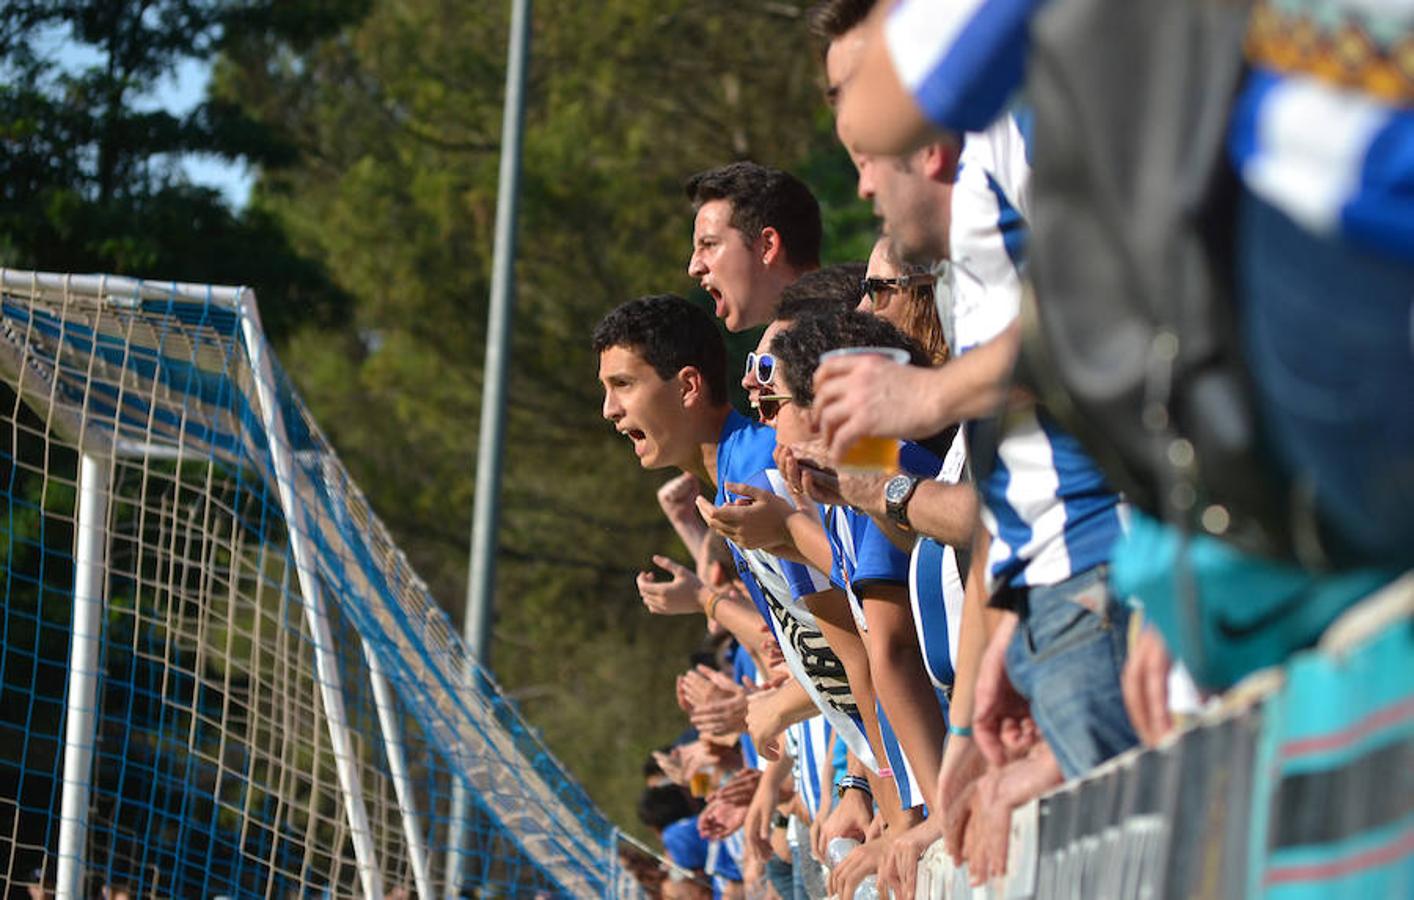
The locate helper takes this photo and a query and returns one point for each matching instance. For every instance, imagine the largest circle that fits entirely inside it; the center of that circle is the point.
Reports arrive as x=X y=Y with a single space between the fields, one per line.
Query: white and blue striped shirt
x=1337 y=161
x=862 y=554
x=778 y=586
x=1047 y=507
x=935 y=588
x=961 y=59
x=808 y=743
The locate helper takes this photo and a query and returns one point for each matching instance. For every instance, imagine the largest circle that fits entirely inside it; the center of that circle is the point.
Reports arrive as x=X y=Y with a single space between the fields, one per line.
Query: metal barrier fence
x=1300 y=786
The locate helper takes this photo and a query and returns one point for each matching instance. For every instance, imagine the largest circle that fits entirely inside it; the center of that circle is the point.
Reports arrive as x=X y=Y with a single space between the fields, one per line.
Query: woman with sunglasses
x=903 y=295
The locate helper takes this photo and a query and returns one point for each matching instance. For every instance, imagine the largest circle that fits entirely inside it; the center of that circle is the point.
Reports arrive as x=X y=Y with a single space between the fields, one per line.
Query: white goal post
x=231 y=681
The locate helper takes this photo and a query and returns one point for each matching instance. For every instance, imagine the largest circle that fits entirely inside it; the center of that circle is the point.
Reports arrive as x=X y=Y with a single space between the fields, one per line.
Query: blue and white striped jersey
x=961 y=59
x=1337 y=161
x=1047 y=507
x=935 y=586
x=778 y=586
x=863 y=554
x=987 y=234
x=808 y=743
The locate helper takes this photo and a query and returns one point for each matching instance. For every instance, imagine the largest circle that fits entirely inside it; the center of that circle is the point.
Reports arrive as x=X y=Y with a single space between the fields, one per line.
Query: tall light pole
x=481 y=572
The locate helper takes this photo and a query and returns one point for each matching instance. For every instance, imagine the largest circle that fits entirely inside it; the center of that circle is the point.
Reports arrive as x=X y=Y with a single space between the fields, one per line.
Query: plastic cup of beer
x=701 y=783
x=869 y=453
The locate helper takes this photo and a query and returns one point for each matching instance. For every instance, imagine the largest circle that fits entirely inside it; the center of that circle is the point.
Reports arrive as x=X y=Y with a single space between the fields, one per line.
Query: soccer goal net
x=220 y=676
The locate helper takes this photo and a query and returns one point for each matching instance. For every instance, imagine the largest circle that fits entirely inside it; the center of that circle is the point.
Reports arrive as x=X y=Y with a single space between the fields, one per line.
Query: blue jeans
x=800 y=858
x=1326 y=328
x=1066 y=660
x=780 y=873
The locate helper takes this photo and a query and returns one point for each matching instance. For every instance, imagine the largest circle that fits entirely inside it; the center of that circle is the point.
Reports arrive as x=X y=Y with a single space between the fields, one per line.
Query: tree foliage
x=90 y=176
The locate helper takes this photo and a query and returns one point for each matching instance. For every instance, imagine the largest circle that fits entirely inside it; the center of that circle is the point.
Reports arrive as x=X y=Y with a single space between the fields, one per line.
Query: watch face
x=897 y=488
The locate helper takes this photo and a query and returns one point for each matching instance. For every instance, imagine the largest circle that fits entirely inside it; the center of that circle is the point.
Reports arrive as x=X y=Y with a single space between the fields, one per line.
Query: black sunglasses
x=874 y=287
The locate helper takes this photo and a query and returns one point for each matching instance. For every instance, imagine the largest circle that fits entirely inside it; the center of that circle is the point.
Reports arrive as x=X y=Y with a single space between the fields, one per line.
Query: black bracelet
x=779 y=821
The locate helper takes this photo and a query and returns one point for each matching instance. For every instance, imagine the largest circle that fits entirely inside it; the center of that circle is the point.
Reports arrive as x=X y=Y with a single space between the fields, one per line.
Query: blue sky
x=179 y=92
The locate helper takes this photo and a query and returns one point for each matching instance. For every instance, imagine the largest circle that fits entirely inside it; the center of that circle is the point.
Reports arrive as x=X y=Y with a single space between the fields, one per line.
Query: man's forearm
x=792 y=704
x=975 y=385
x=972 y=636
x=1029 y=777
x=691 y=529
x=777 y=771
x=947 y=513
x=739 y=617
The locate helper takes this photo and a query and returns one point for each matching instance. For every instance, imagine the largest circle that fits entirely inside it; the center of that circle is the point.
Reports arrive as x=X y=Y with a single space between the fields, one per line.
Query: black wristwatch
x=897 y=492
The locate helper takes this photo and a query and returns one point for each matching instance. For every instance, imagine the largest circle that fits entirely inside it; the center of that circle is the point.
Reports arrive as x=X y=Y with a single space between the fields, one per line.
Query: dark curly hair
x=763 y=197
x=670 y=333
x=798 y=348
x=833 y=288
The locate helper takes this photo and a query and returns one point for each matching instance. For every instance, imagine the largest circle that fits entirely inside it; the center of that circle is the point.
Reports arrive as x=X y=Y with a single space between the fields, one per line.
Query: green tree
x=90 y=176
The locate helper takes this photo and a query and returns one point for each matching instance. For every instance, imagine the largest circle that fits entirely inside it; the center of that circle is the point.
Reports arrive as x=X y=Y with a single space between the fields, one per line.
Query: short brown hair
x=762 y=197
x=834 y=18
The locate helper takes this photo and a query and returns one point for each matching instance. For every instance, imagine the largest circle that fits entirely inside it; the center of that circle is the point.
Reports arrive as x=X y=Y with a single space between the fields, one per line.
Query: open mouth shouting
x=719 y=307
x=638 y=438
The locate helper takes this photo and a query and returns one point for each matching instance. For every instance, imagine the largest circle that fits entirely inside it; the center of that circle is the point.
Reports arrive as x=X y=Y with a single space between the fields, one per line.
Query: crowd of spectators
x=928 y=600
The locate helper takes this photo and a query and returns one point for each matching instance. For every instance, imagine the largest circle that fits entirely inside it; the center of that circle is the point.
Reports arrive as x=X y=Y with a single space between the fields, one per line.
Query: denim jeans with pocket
x=1066 y=658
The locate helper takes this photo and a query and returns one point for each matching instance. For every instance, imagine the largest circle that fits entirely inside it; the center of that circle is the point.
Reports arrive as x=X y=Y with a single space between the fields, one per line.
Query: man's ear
x=693 y=386
x=770 y=245
x=940 y=160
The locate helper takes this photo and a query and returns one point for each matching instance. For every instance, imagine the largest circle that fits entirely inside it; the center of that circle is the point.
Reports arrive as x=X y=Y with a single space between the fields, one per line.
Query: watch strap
x=897 y=510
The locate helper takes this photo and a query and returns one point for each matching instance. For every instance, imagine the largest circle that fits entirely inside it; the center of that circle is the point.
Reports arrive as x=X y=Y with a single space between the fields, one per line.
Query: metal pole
x=326 y=661
x=481 y=572
x=398 y=768
x=81 y=717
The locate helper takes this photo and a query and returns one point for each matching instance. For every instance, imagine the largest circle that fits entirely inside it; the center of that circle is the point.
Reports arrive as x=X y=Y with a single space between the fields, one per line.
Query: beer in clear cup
x=869 y=453
x=700 y=784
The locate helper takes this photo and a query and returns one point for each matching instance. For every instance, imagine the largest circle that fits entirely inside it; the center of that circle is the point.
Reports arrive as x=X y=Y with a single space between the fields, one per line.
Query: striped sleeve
x=1336 y=161
x=962 y=60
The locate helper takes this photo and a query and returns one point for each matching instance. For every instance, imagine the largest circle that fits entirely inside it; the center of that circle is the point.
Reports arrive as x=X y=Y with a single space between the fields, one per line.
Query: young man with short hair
x=661 y=364
x=755 y=231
